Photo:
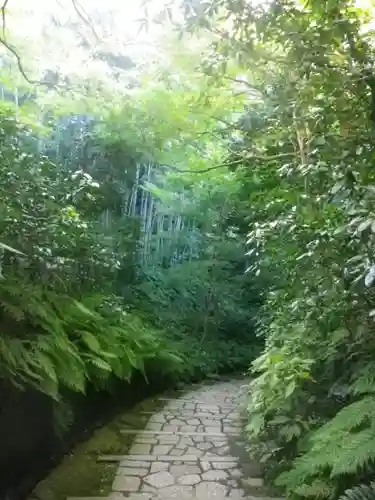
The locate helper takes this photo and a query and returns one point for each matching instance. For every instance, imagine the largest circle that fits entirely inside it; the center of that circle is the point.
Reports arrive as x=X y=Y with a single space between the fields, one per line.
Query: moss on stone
x=79 y=473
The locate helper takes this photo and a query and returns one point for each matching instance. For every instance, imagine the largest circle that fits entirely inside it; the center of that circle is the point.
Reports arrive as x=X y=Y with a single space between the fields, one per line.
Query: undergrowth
x=76 y=308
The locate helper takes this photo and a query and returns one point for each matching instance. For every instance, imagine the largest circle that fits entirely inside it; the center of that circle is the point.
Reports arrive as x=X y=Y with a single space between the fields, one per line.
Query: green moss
x=79 y=474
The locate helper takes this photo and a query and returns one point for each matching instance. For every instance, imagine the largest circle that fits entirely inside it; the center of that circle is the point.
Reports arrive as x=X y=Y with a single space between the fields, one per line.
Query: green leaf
x=291 y=387
x=364 y=225
x=10 y=249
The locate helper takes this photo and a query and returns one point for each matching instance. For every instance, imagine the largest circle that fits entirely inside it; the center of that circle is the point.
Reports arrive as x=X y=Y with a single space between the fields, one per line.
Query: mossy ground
x=79 y=473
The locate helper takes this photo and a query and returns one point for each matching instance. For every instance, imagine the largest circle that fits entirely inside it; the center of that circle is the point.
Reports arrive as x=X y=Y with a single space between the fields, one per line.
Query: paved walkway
x=189 y=451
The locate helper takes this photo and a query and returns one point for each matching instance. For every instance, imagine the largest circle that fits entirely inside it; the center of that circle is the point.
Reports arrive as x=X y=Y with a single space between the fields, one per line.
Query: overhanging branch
x=235 y=162
x=3 y=15
x=85 y=18
x=13 y=51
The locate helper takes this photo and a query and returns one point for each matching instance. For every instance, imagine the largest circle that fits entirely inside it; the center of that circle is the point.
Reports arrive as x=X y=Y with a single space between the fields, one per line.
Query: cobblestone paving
x=184 y=451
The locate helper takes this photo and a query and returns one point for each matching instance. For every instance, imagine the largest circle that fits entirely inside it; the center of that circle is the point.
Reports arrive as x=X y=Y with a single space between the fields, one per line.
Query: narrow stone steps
x=146 y=432
x=149 y=496
x=212 y=405
x=167 y=458
x=191 y=449
x=190 y=414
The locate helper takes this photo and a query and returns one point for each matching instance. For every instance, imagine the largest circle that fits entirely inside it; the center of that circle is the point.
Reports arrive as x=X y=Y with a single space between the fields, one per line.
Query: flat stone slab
x=127 y=458
x=255 y=482
x=209 y=489
x=86 y=498
x=158 y=466
x=214 y=475
x=126 y=483
x=135 y=464
x=138 y=496
x=184 y=470
x=189 y=480
x=132 y=471
x=160 y=479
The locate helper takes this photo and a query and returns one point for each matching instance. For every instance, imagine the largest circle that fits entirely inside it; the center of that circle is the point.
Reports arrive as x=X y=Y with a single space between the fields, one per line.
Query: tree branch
x=19 y=62
x=244 y=82
x=85 y=18
x=204 y=170
x=80 y=12
x=21 y=69
x=235 y=162
x=13 y=51
x=3 y=15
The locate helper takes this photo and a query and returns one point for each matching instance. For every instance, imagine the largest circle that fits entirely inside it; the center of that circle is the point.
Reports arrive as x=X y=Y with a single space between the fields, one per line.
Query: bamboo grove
x=215 y=212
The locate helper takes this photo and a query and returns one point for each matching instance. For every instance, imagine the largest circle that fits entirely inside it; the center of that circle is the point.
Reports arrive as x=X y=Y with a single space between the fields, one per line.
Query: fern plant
x=360 y=492
x=342 y=447
x=62 y=342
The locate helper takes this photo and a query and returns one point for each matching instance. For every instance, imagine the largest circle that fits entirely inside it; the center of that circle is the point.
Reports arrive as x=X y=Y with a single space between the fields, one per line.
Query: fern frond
x=360 y=492
x=364 y=382
x=355 y=452
x=14 y=311
x=341 y=446
x=347 y=419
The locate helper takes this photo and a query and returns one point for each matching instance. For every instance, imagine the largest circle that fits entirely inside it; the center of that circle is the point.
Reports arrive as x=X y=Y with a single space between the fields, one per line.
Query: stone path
x=189 y=451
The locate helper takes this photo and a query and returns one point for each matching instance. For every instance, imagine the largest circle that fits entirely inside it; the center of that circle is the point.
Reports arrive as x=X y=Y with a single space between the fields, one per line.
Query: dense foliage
x=306 y=169
x=61 y=323
x=106 y=269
